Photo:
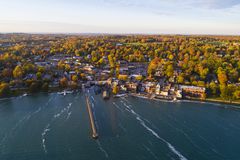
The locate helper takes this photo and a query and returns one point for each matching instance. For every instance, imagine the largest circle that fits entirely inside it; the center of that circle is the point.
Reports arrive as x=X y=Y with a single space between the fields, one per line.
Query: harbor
x=53 y=127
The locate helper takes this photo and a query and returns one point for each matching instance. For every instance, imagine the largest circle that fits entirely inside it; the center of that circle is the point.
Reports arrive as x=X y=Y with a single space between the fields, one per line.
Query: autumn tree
x=4 y=89
x=222 y=76
x=18 y=72
x=63 y=82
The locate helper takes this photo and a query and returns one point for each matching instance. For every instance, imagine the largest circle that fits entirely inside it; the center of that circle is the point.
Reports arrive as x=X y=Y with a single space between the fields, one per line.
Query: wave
x=69 y=115
x=67 y=108
x=102 y=149
x=170 y=146
x=24 y=120
x=44 y=133
x=47 y=128
x=151 y=152
x=117 y=106
x=14 y=128
x=93 y=99
x=123 y=98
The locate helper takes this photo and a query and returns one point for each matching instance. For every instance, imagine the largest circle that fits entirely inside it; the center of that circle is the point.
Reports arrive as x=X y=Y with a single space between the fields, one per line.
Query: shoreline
x=233 y=104
x=144 y=96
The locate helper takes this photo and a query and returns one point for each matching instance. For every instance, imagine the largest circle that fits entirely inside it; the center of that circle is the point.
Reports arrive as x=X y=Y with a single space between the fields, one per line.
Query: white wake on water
x=46 y=129
x=139 y=119
x=118 y=107
x=23 y=120
x=150 y=151
x=102 y=149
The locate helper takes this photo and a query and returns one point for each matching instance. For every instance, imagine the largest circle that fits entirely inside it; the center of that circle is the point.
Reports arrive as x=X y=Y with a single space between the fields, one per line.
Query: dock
x=91 y=118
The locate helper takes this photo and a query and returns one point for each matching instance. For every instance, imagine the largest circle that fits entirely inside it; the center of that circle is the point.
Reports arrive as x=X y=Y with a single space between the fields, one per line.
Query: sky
x=121 y=16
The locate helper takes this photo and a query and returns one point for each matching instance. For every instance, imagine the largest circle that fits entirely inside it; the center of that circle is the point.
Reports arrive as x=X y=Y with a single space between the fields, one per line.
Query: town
x=156 y=67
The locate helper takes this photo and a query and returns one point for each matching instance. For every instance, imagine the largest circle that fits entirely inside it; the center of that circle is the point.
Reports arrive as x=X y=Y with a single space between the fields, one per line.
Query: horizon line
x=116 y=33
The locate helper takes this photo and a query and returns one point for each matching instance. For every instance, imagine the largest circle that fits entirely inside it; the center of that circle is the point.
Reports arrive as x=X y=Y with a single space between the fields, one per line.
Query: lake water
x=56 y=127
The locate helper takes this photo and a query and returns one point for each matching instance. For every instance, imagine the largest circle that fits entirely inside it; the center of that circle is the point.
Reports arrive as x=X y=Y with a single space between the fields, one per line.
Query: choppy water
x=56 y=127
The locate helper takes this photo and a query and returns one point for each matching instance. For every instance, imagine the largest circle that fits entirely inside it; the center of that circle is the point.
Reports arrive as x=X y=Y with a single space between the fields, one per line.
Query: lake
x=56 y=127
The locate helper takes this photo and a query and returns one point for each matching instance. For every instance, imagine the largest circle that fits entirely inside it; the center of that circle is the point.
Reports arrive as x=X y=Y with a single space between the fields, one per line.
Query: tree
x=7 y=72
x=153 y=65
x=236 y=94
x=169 y=70
x=39 y=75
x=75 y=78
x=115 y=89
x=201 y=83
x=139 y=77
x=213 y=87
x=34 y=87
x=73 y=85
x=233 y=75
x=18 y=72
x=227 y=91
x=63 y=82
x=203 y=72
x=222 y=77
x=45 y=87
x=4 y=89
x=180 y=79
x=111 y=61
x=94 y=56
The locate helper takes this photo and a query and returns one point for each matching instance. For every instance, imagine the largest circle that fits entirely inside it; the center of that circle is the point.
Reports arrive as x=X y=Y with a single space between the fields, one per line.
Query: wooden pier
x=91 y=118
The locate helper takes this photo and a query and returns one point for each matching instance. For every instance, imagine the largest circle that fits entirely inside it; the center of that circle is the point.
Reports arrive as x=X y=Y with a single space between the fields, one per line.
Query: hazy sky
x=121 y=16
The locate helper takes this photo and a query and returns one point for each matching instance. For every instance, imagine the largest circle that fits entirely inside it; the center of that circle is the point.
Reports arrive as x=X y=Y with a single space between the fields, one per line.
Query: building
x=193 y=91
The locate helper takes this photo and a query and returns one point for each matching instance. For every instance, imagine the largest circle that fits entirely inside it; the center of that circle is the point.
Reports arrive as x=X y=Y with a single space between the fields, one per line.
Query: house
x=123 y=70
x=158 y=89
x=123 y=88
x=132 y=86
x=150 y=87
x=179 y=94
x=164 y=93
x=193 y=91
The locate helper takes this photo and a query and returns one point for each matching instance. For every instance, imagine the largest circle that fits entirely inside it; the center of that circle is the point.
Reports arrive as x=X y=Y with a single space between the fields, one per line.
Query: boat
x=25 y=94
x=120 y=95
x=65 y=92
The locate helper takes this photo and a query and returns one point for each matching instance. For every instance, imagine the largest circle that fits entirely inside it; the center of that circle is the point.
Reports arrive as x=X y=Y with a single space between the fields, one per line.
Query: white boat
x=65 y=92
x=24 y=95
x=120 y=95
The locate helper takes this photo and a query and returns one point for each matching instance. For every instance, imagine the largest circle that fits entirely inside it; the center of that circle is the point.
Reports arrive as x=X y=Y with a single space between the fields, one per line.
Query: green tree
x=237 y=94
x=39 y=75
x=180 y=79
x=213 y=87
x=169 y=70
